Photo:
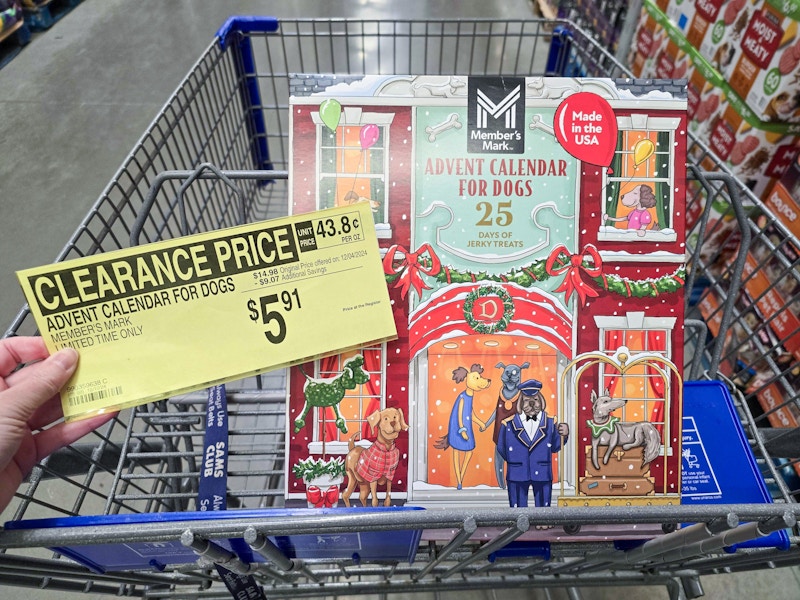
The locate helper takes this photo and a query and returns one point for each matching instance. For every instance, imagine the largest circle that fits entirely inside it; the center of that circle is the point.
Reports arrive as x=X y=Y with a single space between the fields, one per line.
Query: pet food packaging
x=773 y=287
x=757 y=153
x=663 y=4
x=680 y=12
x=478 y=184
x=728 y=22
x=675 y=57
x=713 y=27
x=765 y=65
x=648 y=42
x=705 y=15
x=771 y=398
x=782 y=200
x=671 y=61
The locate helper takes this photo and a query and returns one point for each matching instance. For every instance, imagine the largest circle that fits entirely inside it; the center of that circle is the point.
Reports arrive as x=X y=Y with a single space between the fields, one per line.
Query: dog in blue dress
x=460 y=434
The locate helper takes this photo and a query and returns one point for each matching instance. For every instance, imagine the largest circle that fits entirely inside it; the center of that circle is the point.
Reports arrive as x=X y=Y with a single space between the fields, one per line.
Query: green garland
x=537 y=272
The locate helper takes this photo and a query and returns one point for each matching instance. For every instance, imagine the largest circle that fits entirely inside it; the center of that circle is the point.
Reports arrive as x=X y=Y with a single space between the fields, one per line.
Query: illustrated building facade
x=504 y=257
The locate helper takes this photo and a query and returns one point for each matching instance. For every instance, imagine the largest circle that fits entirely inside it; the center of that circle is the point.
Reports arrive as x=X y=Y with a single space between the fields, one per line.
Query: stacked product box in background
x=757 y=151
x=765 y=64
x=753 y=44
x=784 y=199
x=741 y=60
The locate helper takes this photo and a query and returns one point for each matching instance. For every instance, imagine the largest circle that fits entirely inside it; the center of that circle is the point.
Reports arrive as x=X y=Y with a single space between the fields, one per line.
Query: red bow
x=410 y=267
x=327 y=500
x=573 y=280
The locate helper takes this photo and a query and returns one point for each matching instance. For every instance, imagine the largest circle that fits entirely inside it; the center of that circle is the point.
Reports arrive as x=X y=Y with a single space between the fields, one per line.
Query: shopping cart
x=217 y=155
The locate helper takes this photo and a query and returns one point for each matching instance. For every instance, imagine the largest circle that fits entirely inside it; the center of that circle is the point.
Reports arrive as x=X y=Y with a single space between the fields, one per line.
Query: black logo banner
x=496 y=115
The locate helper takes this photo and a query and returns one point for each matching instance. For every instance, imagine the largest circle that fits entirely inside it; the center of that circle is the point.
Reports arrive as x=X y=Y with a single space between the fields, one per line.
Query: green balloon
x=330 y=112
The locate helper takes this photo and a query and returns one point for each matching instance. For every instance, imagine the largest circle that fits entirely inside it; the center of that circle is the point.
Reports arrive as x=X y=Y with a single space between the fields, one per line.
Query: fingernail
x=66 y=358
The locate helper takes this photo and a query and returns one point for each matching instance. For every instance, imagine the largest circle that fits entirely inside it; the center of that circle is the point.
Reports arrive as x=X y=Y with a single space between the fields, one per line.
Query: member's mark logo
x=496 y=115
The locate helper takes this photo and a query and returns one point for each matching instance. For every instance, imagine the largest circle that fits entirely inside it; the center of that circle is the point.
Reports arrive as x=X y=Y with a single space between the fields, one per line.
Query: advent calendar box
x=532 y=234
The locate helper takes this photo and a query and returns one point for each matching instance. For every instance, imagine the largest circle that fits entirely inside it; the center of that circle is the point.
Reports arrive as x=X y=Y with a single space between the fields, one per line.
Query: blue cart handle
x=246 y=24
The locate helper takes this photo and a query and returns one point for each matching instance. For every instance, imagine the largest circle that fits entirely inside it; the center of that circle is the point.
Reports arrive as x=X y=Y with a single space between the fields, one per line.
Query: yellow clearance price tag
x=180 y=315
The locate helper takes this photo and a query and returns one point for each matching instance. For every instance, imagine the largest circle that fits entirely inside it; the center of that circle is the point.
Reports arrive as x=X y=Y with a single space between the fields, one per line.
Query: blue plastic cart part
x=718 y=466
x=247 y=73
x=398 y=545
x=245 y=24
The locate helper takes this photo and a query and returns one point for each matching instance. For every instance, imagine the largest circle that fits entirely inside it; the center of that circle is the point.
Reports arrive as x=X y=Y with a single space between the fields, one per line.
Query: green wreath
x=487 y=290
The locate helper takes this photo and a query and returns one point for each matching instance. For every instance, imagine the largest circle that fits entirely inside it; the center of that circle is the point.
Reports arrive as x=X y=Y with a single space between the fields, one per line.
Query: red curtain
x=657 y=342
x=327 y=417
x=372 y=363
x=614 y=339
x=371 y=391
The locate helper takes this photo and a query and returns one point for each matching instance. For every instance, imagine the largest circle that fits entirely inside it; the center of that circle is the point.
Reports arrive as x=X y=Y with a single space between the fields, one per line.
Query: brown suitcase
x=617 y=486
x=622 y=463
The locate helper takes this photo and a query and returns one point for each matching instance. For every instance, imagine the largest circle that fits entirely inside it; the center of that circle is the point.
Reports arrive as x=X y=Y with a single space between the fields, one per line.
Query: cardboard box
x=672 y=62
x=680 y=12
x=705 y=15
x=713 y=27
x=771 y=399
x=704 y=100
x=649 y=41
x=766 y=62
x=757 y=153
x=773 y=289
x=662 y=4
x=479 y=293
x=784 y=205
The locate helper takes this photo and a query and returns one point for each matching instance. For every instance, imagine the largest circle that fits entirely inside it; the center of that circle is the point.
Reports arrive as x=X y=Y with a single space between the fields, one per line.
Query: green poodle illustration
x=323 y=393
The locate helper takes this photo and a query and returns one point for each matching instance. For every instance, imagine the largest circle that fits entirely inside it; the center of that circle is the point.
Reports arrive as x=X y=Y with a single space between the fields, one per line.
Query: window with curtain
x=641 y=385
x=638 y=189
x=356 y=405
x=352 y=168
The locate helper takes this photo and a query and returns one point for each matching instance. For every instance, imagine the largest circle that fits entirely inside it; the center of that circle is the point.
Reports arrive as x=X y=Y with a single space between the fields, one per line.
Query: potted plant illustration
x=323 y=478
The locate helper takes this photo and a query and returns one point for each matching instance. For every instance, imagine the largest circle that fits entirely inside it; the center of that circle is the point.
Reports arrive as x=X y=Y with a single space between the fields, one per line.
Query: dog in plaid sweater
x=370 y=467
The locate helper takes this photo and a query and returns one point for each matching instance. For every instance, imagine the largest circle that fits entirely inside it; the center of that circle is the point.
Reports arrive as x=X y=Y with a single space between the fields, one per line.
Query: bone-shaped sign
x=452 y=122
x=538 y=123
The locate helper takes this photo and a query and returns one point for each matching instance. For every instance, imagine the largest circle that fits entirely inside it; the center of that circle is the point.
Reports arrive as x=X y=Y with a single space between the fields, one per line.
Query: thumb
x=35 y=384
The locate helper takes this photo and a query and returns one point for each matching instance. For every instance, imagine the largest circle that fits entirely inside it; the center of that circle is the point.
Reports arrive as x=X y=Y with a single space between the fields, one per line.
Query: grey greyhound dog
x=506 y=407
x=609 y=431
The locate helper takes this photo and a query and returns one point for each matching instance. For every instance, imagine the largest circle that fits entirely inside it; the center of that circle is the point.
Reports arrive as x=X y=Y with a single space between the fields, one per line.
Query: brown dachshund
x=370 y=467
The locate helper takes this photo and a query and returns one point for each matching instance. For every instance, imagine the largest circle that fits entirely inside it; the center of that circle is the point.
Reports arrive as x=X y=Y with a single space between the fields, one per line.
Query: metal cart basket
x=215 y=156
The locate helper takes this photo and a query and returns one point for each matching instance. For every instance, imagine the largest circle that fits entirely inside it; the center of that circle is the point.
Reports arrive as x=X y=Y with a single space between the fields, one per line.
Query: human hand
x=29 y=401
x=464 y=435
x=563 y=429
